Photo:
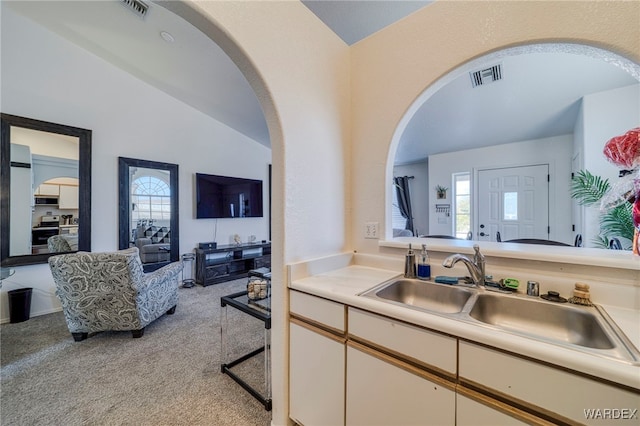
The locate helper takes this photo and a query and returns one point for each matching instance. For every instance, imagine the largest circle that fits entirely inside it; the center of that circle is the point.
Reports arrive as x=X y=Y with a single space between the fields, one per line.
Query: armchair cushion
x=110 y=291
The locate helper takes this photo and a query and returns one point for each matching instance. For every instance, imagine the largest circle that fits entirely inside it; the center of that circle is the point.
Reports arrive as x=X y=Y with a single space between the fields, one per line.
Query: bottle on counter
x=424 y=266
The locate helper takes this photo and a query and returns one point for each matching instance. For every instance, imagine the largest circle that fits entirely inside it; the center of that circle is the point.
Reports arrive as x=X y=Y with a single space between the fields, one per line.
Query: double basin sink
x=586 y=329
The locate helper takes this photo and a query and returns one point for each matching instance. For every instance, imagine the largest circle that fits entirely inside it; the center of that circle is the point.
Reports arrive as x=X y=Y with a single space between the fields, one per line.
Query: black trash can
x=19 y=304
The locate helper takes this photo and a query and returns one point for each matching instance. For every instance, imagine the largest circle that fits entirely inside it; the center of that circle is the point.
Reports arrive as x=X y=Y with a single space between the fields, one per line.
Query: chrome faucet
x=476 y=267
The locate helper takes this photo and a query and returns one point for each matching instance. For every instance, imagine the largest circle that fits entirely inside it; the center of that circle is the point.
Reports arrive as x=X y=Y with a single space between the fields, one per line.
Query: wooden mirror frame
x=125 y=200
x=84 y=181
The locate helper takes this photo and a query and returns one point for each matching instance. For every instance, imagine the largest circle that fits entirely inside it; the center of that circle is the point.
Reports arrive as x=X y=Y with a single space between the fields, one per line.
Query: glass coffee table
x=260 y=309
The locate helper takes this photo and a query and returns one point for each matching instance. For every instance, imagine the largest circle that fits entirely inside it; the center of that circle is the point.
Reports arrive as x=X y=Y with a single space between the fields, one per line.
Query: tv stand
x=229 y=262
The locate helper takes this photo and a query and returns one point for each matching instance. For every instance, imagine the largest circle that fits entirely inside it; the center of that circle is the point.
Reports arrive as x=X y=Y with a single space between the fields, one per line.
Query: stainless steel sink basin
x=423 y=295
x=560 y=322
x=581 y=328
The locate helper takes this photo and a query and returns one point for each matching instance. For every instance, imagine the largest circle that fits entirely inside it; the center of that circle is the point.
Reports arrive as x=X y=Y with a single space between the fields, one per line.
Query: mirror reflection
x=43 y=209
x=490 y=153
x=148 y=210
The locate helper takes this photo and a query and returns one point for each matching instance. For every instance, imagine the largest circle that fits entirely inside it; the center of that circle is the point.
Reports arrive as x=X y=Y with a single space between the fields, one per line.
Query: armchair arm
x=166 y=273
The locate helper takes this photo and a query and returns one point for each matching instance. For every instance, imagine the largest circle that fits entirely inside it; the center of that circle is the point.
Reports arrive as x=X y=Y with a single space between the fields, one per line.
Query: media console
x=229 y=262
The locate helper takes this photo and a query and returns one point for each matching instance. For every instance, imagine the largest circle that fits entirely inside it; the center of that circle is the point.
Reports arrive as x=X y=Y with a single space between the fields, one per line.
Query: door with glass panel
x=514 y=202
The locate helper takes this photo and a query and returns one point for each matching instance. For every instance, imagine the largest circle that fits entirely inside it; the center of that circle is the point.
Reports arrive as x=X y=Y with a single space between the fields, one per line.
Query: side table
x=260 y=309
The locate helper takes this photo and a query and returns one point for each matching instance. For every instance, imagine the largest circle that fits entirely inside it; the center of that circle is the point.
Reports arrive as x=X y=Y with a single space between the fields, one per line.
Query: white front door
x=513 y=201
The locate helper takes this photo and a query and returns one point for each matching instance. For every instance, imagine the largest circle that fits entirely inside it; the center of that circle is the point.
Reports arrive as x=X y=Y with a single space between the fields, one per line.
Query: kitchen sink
x=560 y=322
x=423 y=295
x=581 y=328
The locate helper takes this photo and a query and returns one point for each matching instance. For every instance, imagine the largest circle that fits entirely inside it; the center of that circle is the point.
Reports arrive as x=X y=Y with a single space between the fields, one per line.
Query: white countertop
x=345 y=283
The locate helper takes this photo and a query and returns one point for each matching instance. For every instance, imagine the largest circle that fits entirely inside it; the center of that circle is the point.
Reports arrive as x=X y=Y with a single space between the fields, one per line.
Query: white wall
x=555 y=151
x=47 y=78
x=603 y=116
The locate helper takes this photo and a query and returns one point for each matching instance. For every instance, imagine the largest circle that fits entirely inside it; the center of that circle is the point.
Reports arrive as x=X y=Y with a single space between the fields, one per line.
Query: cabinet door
x=388 y=392
x=48 y=189
x=68 y=197
x=316 y=376
x=544 y=388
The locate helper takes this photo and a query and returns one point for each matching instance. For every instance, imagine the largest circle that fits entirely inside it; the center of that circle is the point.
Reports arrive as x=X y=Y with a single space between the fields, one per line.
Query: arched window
x=150 y=198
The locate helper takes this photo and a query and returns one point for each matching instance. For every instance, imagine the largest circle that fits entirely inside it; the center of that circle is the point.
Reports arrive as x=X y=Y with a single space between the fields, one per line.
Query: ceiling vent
x=486 y=76
x=136 y=6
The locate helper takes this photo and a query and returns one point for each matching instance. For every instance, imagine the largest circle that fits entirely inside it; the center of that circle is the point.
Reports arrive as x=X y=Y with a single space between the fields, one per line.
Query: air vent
x=136 y=6
x=486 y=76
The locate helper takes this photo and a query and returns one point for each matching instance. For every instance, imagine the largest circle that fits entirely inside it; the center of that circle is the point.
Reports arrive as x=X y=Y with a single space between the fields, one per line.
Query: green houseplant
x=617 y=222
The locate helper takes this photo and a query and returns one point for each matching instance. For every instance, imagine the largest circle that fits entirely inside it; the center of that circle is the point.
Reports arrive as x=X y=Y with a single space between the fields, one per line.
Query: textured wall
x=393 y=67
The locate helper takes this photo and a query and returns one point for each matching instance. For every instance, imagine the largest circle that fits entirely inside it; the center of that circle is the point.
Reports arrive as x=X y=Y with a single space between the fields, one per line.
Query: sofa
x=153 y=243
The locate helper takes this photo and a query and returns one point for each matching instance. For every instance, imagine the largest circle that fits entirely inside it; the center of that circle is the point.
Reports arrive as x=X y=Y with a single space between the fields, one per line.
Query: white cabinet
x=316 y=360
x=433 y=351
x=384 y=391
x=69 y=196
x=48 y=189
x=543 y=388
x=316 y=378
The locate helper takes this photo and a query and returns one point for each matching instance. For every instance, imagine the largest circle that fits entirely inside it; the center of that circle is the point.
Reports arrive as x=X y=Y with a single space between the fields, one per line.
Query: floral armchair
x=110 y=291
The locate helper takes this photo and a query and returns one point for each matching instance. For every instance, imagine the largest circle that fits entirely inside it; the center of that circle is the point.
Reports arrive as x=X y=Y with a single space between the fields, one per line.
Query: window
x=150 y=198
x=462 y=204
x=510 y=206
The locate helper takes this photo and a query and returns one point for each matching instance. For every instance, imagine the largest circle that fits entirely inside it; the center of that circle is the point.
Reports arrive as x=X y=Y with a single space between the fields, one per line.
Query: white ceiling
x=537 y=97
x=354 y=20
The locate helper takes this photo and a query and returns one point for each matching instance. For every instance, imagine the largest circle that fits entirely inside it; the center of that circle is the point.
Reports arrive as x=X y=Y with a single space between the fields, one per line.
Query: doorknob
x=482 y=234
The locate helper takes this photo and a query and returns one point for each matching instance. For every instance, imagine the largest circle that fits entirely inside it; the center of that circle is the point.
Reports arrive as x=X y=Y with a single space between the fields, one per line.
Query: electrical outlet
x=371 y=230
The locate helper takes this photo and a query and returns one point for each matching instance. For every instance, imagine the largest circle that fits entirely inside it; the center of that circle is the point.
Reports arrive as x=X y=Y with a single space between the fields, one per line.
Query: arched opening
x=523 y=103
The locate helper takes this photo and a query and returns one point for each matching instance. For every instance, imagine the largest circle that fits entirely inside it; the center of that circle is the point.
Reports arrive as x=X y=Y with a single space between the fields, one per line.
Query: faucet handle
x=477 y=257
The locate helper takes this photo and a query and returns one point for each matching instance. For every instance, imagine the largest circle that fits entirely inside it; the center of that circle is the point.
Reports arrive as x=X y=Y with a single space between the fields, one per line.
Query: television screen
x=224 y=196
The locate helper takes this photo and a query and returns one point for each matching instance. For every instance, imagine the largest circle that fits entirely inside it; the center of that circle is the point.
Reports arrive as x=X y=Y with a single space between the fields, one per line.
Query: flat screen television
x=227 y=197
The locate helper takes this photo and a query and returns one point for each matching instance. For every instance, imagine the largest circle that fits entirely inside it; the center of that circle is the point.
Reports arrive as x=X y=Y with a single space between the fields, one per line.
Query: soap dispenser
x=410 y=264
x=424 y=266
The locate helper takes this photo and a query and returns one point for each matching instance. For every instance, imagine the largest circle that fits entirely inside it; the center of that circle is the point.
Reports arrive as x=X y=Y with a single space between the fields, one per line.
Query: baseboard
x=33 y=314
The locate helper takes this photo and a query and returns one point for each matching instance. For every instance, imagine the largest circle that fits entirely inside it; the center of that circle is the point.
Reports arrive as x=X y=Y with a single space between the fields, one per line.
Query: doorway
x=513 y=201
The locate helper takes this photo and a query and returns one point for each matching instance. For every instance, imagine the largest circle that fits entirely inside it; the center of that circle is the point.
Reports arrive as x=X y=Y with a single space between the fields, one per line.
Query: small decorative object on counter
x=258 y=288
x=533 y=288
x=581 y=295
x=424 y=267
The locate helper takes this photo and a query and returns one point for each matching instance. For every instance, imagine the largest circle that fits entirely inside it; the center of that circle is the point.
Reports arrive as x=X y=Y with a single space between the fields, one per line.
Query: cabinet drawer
x=316 y=309
x=216 y=271
x=426 y=347
x=550 y=390
x=262 y=262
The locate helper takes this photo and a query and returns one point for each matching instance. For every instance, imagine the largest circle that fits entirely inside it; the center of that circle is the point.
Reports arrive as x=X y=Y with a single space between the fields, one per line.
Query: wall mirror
x=46 y=190
x=148 y=210
x=529 y=113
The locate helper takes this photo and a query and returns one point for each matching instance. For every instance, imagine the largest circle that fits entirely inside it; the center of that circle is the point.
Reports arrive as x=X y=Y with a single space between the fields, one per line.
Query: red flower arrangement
x=624 y=151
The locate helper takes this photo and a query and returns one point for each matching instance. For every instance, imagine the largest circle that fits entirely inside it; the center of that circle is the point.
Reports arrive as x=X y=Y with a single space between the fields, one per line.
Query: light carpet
x=170 y=376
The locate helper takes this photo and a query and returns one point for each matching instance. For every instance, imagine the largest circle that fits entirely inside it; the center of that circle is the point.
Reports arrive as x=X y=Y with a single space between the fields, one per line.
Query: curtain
x=404 y=200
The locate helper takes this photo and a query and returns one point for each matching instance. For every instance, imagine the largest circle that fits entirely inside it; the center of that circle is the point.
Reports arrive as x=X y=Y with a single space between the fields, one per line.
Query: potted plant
x=616 y=222
x=441 y=192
